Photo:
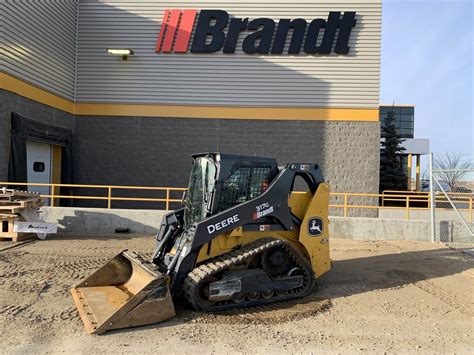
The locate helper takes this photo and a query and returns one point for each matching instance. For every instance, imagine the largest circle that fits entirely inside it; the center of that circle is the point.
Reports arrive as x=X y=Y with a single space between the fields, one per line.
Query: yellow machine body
x=304 y=205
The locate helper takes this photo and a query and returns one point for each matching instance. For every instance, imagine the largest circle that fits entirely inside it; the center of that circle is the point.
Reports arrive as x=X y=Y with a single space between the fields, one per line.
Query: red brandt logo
x=176 y=23
x=216 y=30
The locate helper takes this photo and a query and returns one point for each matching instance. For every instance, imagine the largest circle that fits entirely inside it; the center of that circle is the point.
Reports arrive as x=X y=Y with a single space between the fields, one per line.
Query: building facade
x=298 y=81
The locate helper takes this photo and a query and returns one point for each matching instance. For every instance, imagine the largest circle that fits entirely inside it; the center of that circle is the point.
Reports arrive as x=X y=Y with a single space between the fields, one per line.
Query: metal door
x=38 y=160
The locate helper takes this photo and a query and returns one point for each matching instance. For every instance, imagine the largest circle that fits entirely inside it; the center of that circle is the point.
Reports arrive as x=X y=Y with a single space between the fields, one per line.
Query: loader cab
x=221 y=181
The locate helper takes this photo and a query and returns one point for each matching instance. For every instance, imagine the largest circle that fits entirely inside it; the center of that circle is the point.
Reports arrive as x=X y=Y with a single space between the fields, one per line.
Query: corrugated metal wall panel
x=223 y=79
x=39 y=43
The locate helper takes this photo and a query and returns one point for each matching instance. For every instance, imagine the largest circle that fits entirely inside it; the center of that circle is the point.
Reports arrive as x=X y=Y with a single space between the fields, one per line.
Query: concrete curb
x=99 y=221
x=379 y=229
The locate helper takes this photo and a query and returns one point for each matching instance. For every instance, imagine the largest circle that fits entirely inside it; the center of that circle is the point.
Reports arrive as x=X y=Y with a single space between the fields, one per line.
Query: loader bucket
x=125 y=292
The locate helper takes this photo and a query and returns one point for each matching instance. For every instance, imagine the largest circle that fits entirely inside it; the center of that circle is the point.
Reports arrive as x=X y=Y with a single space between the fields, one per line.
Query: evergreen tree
x=392 y=174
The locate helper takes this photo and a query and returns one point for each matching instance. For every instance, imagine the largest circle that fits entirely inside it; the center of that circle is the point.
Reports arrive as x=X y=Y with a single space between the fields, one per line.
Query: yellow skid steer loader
x=244 y=237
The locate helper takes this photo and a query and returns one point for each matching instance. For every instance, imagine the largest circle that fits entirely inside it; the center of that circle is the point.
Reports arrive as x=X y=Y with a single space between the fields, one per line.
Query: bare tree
x=451 y=168
x=425 y=179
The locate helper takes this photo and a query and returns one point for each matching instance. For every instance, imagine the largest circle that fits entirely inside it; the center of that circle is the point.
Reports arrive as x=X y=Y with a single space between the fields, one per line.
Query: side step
x=125 y=292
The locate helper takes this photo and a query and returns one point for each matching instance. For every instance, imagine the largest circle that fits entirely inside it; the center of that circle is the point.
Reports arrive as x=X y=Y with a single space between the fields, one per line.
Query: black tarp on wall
x=23 y=129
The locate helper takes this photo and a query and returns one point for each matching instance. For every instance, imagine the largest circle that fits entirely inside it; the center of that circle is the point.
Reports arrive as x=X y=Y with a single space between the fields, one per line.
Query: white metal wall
x=39 y=43
x=226 y=79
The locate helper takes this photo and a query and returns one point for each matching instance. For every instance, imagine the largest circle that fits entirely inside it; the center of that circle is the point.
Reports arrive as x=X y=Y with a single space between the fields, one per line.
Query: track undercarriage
x=265 y=271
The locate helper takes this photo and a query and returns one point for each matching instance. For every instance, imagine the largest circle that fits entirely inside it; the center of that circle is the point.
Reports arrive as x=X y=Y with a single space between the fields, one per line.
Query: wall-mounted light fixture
x=124 y=52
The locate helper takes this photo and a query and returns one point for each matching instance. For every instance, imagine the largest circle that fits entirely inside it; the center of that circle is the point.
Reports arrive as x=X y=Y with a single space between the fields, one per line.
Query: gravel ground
x=393 y=297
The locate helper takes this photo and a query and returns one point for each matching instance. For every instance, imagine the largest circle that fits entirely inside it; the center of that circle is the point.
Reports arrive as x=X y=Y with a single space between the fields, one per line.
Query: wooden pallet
x=13 y=207
x=6 y=230
x=11 y=210
x=7 y=215
x=13 y=201
x=4 y=192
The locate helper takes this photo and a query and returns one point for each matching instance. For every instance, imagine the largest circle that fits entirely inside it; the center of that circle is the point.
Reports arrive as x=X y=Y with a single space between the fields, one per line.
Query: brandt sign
x=214 y=31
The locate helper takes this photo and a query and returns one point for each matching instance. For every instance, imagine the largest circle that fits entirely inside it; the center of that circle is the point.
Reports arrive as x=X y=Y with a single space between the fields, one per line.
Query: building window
x=404 y=119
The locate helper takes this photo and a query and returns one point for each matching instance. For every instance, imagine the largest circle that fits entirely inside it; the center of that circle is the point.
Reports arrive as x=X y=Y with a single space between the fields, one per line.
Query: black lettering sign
x=259 y=41
x=330 y=27
x=299 y=28
x=204 y=29
x=348 y=21
x=320 y=34
x=236 y=26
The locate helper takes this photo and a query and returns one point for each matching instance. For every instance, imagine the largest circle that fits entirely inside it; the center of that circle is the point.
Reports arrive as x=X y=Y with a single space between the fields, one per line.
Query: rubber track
x=238 y=256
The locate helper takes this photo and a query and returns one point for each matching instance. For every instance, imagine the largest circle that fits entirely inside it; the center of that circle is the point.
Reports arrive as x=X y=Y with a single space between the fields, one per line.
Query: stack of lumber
x=12 y=203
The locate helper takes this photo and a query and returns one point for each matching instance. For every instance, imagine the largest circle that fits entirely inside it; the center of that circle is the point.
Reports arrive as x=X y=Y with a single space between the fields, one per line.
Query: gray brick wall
x=10 y=102
x=139 y=151
x=156 y=151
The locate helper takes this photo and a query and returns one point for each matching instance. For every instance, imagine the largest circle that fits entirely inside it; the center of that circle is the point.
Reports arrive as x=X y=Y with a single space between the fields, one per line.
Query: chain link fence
x=451 y=191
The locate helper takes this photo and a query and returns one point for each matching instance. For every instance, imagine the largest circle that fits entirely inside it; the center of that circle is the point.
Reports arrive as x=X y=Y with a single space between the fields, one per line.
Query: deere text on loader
x=243 y=238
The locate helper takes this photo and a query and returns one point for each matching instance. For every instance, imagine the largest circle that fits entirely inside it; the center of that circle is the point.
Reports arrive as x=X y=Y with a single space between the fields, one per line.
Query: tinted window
x=201 y=183
x=406 y=125
x=407 y=117
x=38 y=166
x=245 y=183
x=407 y=110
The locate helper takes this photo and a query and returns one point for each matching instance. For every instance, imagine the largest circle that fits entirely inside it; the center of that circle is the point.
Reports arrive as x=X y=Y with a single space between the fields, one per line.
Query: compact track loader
x=243 y=238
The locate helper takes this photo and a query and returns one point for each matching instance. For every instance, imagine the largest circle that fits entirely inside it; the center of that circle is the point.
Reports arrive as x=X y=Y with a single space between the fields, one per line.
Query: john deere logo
x=315 y=226
x=266 y=37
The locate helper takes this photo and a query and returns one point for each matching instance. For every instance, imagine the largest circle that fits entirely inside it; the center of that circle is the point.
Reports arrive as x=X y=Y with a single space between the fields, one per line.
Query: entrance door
x=38 y=160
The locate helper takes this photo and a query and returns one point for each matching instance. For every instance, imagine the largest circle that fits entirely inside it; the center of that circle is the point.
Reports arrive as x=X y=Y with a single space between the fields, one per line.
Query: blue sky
x=427 y=60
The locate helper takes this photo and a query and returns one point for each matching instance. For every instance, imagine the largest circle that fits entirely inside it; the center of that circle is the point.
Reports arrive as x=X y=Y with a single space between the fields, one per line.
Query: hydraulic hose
x=163 y=242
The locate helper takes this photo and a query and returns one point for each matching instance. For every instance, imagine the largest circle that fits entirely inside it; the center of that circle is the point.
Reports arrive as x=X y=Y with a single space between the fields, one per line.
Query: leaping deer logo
x=315 y=226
